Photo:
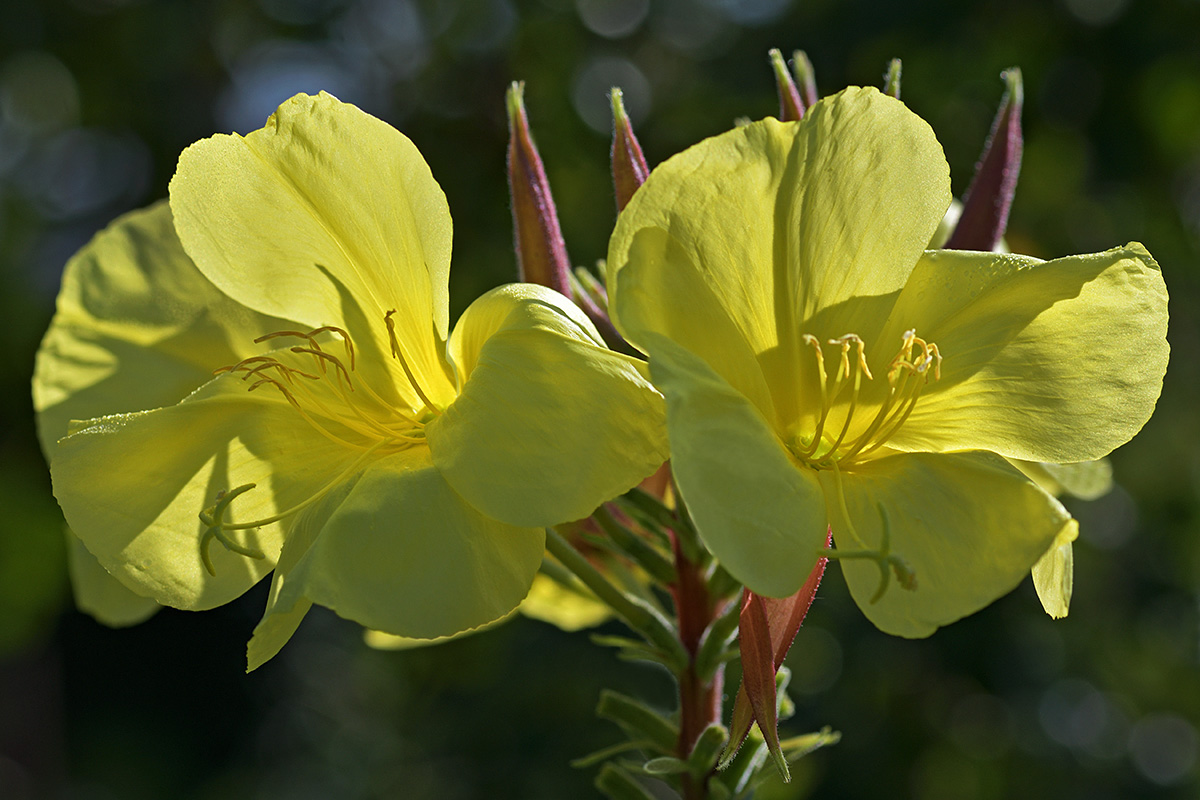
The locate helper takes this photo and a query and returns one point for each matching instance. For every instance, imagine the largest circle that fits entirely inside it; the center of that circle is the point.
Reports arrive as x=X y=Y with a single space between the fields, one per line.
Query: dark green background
x=97 y=98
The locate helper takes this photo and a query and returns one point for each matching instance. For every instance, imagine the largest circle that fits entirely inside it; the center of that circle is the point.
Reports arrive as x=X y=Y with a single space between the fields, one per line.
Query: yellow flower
x=381 y=465
x=820 y=366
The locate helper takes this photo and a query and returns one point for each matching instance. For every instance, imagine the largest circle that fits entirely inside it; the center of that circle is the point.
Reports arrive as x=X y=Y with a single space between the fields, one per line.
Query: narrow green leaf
x=617 y=784
x=665 y=765
x=639 y=720
x=605 y=753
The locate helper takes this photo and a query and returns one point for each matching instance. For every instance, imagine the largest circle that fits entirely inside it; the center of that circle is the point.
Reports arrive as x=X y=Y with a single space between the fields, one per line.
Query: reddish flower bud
x=791 y=106
x=989 y=198
x=541 y=252
x=629 y=169
x=806 y=78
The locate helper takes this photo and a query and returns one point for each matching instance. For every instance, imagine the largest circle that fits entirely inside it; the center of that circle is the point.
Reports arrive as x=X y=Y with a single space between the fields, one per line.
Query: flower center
x=332 y=396
x=829 y=444
x=335 y=399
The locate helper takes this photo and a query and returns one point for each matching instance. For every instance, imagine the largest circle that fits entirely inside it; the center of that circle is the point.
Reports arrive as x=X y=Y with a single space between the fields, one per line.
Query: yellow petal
x=137 y=327
x=101 y=595
x=969 y=525
x=785 y=221
x=549 y=423
x=328 y=216
x=132 y=487
x=395 y=549
x=1086 y=480
x=761 y=516
x=1056 y=361
x=549 y=601
x=1054 y=572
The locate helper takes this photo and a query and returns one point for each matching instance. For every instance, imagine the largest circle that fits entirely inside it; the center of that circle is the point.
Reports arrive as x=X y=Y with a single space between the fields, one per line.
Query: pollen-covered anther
x=841 y=392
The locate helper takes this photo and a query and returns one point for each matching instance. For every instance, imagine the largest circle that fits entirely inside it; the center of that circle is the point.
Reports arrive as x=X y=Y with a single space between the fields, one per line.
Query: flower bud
x=791 y=106
x=989 y=198
x=541 y=252
x=629 y=169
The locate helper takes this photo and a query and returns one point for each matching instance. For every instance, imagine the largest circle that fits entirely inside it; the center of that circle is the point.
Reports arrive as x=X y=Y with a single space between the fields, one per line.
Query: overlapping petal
x=137 y=327
x=132 y=487
x=328 y=216
x=1054 y=572
x=969 y=525
x=763 y=518
x=396 y=549
x=1029 y=344
x=549 y=423
x=784 y=221
x=98 y=593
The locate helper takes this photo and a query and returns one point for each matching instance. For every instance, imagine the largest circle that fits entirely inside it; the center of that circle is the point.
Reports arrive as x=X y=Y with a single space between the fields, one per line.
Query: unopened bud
x=989 y=198
x=541 y=252
x=891 y=79
x=791 y=106
x=629 y=169
x=806 y=78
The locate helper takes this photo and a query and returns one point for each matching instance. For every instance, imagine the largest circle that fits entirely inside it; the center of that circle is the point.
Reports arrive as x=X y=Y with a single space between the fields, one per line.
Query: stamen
x=907 y=374
x=398 y=354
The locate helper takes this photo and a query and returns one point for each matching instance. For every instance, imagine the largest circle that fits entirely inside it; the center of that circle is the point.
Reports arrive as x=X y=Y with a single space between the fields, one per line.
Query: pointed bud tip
x=618 y=105
x=515 y=100
x=806 y=77
x=1014 y=85
x=891 y=78
x=791 y=104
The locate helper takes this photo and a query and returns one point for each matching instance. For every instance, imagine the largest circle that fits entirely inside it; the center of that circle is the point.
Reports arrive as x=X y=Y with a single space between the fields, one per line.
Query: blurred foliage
x=97 y=99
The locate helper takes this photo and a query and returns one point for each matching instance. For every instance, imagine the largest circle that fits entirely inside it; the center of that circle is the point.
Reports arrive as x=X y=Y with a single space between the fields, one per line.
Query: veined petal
x=132 y=487
x=788 y=220
x=395 y=549
x=760 y=515
x=1054 y=572
x=549 y=424
x=331 y=217
x=1055 y=361
x=969 y=525
x=515 y=306
x=101 y=595
x=137 y=327
x=661 y=290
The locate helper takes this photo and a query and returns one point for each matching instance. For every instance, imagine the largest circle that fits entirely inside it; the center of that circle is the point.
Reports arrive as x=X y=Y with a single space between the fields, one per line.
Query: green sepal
x=639 y=720
x=737 y=776
x=797 y=747
x=617 y=784
x=605 y=753
x=650 y=512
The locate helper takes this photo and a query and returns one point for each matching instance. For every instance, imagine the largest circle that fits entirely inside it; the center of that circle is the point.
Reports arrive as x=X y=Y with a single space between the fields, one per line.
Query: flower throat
x=830 y=445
